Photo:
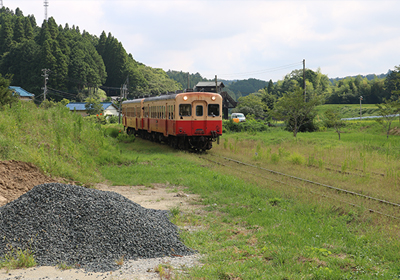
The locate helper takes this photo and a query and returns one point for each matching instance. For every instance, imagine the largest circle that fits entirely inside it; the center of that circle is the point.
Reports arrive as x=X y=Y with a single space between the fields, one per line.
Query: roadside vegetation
x=60 y=143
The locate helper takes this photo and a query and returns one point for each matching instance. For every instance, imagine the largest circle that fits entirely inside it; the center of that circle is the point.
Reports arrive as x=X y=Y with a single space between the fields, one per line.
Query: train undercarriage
x=182 y=142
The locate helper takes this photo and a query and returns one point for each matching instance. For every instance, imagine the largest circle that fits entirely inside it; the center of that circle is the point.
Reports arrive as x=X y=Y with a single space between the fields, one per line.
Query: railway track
x=353 y=198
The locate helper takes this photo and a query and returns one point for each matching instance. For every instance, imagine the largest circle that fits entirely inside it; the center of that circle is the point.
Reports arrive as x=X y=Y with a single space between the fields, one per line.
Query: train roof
x=163 y=97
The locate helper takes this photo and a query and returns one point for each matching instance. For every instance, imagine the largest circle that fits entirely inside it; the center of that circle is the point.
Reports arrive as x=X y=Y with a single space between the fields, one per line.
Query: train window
x=199 y=110
x=185 y=110
x=213 y=110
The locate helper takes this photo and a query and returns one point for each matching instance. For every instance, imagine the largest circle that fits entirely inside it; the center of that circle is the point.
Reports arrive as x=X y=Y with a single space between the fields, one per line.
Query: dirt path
x=16 y=178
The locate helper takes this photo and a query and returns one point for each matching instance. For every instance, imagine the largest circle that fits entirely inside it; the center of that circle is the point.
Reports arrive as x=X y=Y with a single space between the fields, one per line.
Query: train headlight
x=185 y=98
x=213 y=98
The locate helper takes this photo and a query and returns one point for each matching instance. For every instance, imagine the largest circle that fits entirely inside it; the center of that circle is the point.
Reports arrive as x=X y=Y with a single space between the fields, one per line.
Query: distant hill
x=245 y=87
x=369 y=77
x=236 y=88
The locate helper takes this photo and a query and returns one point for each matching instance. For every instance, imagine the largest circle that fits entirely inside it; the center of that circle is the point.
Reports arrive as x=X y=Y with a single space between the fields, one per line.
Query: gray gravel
x=86 y=227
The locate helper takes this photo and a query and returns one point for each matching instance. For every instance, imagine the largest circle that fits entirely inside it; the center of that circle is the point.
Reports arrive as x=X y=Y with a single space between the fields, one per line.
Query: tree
x=251 y=104
x=292 y=109
x=388 y=112
x=333 y=119
x=93 y=106
x=270 y=86
x=6 y=96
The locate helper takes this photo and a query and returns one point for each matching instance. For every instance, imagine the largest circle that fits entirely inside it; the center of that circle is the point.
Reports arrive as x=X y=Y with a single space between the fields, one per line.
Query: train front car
x=199 y=120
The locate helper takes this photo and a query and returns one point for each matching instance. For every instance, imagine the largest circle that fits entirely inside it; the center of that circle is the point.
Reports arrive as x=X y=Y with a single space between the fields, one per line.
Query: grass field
x=349 y=110
x=249 y=229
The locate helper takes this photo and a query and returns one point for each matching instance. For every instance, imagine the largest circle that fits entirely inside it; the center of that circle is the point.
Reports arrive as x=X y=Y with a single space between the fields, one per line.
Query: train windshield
x=185 y=110
x=213 y=110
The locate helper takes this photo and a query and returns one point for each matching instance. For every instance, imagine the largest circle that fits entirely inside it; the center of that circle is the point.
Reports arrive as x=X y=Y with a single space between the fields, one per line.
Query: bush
x=123 y=137
x=112 y=132
x=250 y=125
x=97 y=119
x=112 y=119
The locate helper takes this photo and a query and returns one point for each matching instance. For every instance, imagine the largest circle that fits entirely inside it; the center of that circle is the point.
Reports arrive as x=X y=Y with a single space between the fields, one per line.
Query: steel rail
x=313 y=192
x=315 y=183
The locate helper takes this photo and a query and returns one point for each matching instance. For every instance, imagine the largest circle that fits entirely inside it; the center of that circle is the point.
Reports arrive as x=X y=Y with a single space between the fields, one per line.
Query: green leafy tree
x=6 y=34
x=19 y=33
x=292 y=109
x=93 y=106
x=251 y=104
x=388 y=112
x=6 y=96
x=270 y=87
x=333 y=119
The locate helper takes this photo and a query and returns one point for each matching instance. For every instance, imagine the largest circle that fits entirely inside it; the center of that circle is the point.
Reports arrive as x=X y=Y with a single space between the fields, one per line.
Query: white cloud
x=225 y=37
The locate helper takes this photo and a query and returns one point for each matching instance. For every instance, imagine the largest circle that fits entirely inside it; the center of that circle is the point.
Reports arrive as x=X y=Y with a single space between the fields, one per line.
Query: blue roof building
x=109 y=109
x=23 y=94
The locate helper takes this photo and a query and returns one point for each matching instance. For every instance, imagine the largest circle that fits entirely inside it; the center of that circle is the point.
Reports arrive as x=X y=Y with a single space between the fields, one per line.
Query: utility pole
x=46 y=77
x=124 y=94
x=188 y=85
x=216 y=84
x=1 y=3
x=361 y=98
x=304 y=78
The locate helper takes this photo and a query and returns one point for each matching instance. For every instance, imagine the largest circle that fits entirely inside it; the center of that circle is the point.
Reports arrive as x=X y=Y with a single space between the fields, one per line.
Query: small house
x=209 y=87
x=23 y=95
x=109 y=109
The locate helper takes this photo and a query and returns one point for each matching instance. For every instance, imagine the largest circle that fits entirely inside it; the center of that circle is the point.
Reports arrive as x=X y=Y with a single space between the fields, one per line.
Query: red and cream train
x=189 y=120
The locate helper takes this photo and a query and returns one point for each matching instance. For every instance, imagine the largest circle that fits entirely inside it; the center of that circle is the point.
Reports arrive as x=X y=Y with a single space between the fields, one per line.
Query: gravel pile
x=86 y=227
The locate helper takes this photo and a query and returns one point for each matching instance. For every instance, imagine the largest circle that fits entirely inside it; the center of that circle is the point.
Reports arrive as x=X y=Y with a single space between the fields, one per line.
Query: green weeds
x=17 y=258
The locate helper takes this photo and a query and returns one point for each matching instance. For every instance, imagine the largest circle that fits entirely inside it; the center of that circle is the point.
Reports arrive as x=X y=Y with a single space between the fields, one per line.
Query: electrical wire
x=262 y=71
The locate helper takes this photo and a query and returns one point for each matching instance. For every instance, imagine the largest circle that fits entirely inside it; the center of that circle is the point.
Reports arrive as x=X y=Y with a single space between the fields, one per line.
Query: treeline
x=184 y=77
x=236 y=89
x=344 y=91
x=78 y=62
x=340 y=91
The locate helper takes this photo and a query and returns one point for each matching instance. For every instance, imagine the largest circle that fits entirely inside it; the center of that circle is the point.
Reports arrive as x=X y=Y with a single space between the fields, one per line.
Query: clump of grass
x=164 y=271
x=297 y=159
x=175 y=211
x=64 y=266
x=120 y=261
x=18 y=258
x=274 y=201
x=275 y=158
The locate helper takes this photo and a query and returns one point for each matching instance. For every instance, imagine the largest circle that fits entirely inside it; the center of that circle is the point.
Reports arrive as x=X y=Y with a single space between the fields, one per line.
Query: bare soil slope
x=17 y=178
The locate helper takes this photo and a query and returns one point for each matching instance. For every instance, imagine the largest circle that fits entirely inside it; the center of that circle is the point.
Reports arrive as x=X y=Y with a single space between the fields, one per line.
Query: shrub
x=123 y=137
x=112 y=132
x=97 y=119
x=112 y=119
x=250 y=125
x=296 y=158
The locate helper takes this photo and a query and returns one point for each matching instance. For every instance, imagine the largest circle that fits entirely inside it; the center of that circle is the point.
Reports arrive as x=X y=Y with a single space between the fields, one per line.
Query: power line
x=263 y=71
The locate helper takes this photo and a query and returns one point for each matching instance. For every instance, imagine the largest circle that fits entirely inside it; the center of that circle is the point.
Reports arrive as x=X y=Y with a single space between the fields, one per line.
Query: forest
x=78 y=63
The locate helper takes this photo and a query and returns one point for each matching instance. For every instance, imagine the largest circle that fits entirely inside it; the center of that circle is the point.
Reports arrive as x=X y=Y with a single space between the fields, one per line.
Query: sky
x=235 y=39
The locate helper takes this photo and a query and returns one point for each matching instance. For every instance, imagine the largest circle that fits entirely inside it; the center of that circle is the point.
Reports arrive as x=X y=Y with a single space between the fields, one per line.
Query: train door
x=199 y=117
x=167 y=118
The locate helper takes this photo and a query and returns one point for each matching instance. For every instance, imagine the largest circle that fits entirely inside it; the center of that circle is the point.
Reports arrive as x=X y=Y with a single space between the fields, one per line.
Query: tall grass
x=56 y=140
